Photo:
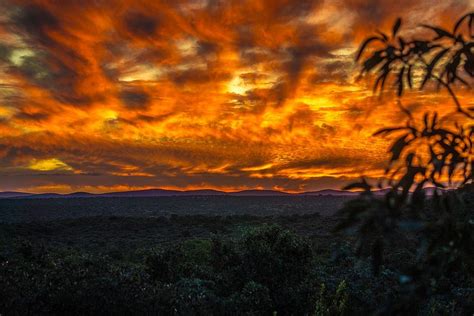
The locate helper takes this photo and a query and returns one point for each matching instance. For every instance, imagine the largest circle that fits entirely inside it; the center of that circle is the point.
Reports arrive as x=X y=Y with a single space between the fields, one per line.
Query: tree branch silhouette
x=424 y=154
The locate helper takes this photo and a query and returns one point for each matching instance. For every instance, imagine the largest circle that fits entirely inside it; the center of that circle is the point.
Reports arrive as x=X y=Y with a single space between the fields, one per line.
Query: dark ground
x=90 y=242
x=29 y=210
x=124 y=224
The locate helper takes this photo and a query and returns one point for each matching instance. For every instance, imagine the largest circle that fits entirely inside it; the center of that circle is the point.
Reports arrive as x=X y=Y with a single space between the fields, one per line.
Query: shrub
x=195 y=297
x=275 y=257
x=253 y=299
x=279 y=260
x=335 y=305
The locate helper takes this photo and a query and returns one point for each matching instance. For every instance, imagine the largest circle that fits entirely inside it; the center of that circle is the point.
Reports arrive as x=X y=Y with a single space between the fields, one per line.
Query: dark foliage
x=447 y=58
x=272 y=263
x=120 y=265
x=426 y=154
x=264 y=270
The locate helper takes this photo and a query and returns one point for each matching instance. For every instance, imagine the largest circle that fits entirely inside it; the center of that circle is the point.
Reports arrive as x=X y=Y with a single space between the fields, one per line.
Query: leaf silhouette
x=382 y=78
x=386 y=131
x=461 y=20
x=373 y=61
x=396 y=27
x=469 y=63
x=434 y=121
x=425 y=120
x=439 y=31
x=400 y=81
x=452 y=67
x=398 y=146
x=364 y=45
x=430 y=67
x=384 y=36
x=402 y=43
x=409 y=77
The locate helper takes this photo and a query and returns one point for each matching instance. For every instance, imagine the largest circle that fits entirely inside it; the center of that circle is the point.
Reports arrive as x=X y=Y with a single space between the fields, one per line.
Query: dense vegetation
x=25 y=210
x=238 y=266
x=195 y=265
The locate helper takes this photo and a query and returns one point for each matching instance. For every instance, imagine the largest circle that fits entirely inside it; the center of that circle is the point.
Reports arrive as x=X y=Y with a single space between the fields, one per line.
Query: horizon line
x=177 y=190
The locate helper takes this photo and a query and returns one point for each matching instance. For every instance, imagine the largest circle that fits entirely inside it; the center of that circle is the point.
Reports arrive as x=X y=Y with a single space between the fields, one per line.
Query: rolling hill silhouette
x=178 y=193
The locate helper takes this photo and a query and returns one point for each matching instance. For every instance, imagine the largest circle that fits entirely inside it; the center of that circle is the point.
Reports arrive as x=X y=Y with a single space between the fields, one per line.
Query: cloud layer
x=105 y=95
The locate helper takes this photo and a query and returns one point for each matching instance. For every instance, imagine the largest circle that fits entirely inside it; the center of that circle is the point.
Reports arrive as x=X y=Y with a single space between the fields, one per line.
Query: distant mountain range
x=163 y=192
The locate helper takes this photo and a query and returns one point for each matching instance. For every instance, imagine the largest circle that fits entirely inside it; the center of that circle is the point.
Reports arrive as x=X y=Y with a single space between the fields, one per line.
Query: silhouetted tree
x=424 y=154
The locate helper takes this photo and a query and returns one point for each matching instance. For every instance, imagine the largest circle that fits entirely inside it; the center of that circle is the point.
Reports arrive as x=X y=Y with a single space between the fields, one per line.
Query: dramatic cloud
x=108 y=95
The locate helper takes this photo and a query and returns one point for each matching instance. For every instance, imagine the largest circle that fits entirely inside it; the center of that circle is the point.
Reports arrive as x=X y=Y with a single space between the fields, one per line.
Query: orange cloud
x=100 y=95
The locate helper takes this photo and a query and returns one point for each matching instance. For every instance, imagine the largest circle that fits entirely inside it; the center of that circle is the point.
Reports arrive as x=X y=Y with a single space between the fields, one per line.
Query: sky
x=104 y=96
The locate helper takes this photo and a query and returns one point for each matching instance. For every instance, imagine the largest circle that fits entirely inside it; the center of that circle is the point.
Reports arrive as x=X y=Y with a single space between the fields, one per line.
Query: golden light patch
x=18 y=56
x=109 y=115
x=187 y=47
x=141 y=73
x=258 y=168
x=317 y=103
x=48 y=165
x=237 y=86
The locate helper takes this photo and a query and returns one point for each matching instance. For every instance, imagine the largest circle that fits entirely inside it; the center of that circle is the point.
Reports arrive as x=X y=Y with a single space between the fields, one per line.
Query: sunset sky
x=102 y=95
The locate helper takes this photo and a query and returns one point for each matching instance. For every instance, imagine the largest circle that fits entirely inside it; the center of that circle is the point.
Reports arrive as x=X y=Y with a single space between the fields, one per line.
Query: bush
x=279 y=260
x=265 y=269
x=253 y=299
x=195 y=297
x=336 y=305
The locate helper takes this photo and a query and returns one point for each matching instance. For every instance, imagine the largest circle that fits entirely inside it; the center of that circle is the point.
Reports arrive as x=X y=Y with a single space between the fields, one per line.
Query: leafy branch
x=451 y=53
x=424 y=154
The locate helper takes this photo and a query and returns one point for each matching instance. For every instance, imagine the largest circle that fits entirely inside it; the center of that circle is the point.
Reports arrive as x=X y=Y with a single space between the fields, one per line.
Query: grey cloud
x=141 y=24
x=135 y=99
